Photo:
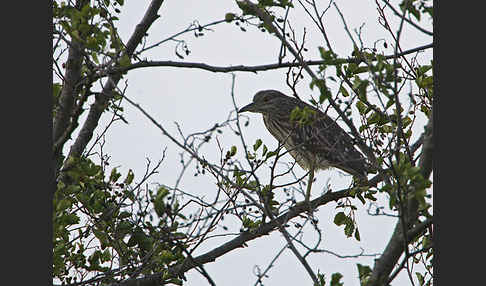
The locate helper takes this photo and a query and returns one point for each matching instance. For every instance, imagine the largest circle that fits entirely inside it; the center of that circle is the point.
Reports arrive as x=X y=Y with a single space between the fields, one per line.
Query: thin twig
x=408 y=20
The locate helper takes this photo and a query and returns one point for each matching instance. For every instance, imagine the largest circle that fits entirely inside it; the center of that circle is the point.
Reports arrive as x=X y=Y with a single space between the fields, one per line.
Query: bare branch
x=253 y=69
x=345 y=25
x=298 y=255
x=407 y=20
x=360 y=254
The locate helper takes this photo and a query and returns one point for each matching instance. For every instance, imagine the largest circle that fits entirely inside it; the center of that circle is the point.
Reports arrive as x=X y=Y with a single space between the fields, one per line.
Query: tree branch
x=70 y=86
x=101 y=102
x=237 y=242
x=253 y=69
x=394 y=249
x=243 y=68
x=410 y=235
x=407 y=20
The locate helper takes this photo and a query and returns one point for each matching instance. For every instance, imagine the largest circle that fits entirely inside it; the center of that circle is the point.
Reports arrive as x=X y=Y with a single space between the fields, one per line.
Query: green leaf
x=406 y=121
x=420 y=278
x=175 y=281
x=247 y=10
x=348 y=229
x=414 y=12
x=340 y=218
x=423 y=69
x=362 y=108
x=359 y=70
x=105 y=255
x=270 y=154
x=123 y=228
x=146 y=243
x=56 y=90
x=326 y=54
x=320 y=83
x=72 y=189
x=427 y=82
x=352 y=67
x=356 y=235
x=364 y=273
x=229 y=17
x=393 y=200
x=360 y=197
x=63 y=205
x=231 y=152
x=129 y=178
x=159 y=204
x=248 y=223
x=124 y=61
x=257 y=144
x=363 y=84
x=344 y=91
x=325 y=94
x=70 y=219
x=114 y=176
x=124 y=214
x=386 y=129
x=162 y=192
x=374 y=118
x=167 y=256
x=92 y=169
x=322 y=279
x=95 y=58
x=265 y=150
x=369 y=195
x=136 y=237
x=335 y=279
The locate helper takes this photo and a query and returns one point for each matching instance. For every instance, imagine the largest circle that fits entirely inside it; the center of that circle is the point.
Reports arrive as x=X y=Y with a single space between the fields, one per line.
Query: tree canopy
x=122 y=225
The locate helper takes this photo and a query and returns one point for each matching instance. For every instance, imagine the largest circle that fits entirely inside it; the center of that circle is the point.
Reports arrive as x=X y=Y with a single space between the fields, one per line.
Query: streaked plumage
x=318 y=145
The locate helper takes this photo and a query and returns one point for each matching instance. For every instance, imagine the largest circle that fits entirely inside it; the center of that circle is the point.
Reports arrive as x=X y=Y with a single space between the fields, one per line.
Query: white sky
x=198 y=99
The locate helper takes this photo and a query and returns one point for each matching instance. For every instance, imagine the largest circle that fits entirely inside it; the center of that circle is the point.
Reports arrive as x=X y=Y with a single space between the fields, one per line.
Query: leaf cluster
x=95 y=224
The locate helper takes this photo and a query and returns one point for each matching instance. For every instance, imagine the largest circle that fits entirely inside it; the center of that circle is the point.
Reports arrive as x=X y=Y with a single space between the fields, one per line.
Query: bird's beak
x=250 y=107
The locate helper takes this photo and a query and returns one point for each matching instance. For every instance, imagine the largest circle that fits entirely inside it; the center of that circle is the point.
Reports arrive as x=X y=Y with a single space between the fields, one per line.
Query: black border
x=459 y=119
x=25 y=191
x=436 y=158
x=51 y=185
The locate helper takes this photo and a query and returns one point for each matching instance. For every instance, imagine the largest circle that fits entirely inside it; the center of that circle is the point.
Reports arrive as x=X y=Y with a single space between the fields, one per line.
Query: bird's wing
x=325 y=138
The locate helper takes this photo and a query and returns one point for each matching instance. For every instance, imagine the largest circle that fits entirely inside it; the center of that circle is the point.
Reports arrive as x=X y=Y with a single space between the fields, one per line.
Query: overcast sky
x=198 y=99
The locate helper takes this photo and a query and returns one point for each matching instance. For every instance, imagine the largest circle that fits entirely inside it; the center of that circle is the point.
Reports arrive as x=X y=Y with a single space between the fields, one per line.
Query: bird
x=312 y=138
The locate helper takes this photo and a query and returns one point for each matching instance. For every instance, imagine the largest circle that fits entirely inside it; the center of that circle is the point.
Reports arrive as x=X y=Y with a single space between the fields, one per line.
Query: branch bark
x=254 y=69
x=70 y=88
x=237 y=242
x=102 y=101
x=68 y=94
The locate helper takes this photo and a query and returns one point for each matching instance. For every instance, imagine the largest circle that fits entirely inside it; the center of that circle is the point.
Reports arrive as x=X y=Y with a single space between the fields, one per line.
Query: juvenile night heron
x=318 y=144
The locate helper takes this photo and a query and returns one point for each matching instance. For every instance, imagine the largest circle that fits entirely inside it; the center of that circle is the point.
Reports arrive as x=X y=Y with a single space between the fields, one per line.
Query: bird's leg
x=309 y=185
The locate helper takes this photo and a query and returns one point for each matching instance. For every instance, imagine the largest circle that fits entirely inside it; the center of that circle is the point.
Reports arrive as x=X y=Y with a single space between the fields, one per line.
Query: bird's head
x=265 y=101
